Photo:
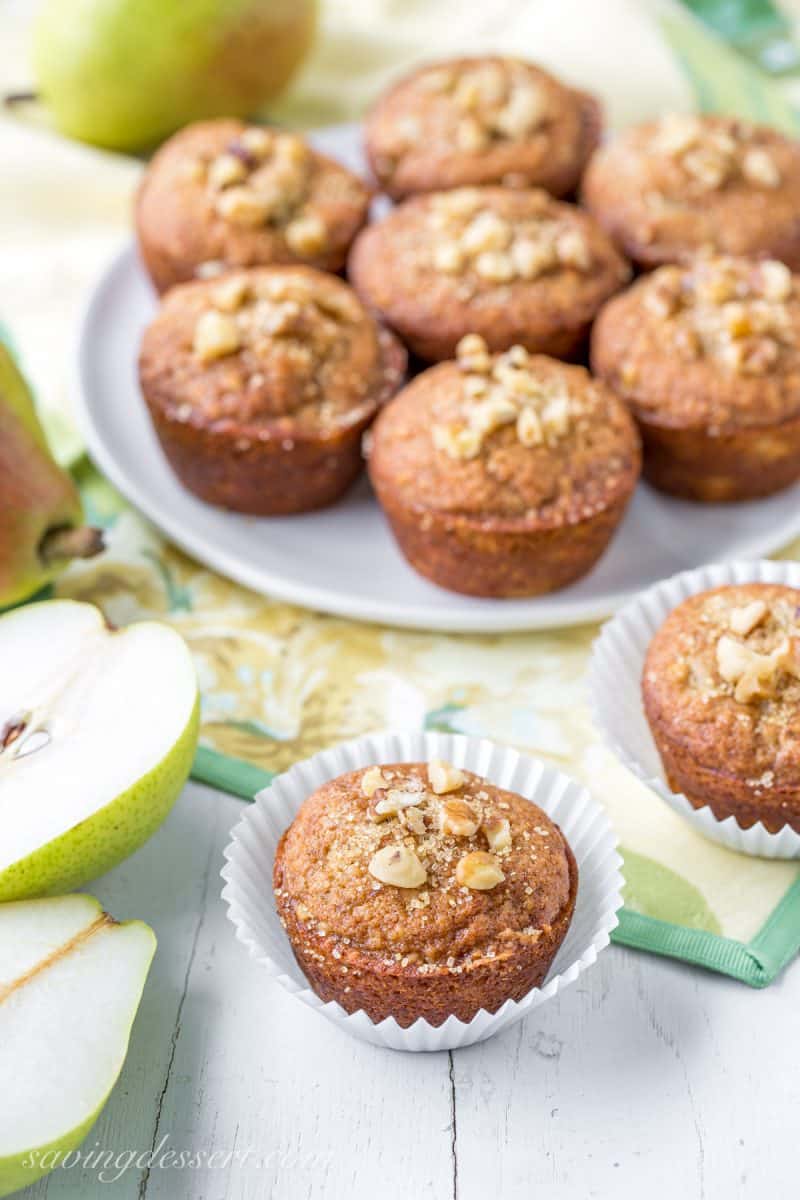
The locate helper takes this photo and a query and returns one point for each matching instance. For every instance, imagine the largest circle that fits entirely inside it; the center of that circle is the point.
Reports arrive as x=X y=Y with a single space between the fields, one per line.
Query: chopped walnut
x=479 y=871
x=215 y=336
x=444 y=777
x=754 y=676
x=747 y=618
x=372 y=780
x=458 y=818
x=306 y=235
x=394 y=801
x=243 y=206
x=712 y=156
x=397 y=866
x=498 y=833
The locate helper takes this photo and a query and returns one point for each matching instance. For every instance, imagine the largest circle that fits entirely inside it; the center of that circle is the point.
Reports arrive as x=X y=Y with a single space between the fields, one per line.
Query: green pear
x=98 y=729
x=71 y=979
x=126 y=73
x=40 y=529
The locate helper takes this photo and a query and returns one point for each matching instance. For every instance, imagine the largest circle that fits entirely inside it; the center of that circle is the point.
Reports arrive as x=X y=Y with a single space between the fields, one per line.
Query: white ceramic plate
x=343 y=560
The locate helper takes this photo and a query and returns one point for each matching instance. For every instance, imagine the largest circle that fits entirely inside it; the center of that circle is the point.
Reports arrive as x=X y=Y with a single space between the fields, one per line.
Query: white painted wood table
x=645 y=1077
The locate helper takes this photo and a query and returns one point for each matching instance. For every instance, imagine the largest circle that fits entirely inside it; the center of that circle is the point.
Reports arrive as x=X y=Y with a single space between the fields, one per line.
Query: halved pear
x=98 y=730
x=71 y=980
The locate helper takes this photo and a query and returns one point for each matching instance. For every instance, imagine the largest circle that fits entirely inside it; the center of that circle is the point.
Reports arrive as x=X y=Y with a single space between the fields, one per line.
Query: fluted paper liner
x=251 y=853
x=615 y=673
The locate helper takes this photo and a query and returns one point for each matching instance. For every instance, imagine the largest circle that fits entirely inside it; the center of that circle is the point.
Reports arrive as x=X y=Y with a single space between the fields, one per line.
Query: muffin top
x=493 y=260
x=514 y=438
x=669 y=188
x=270 y=350
x=422 y=864
x=715 y=344
x=222 y=192
x=481 y=120
x=723 y=672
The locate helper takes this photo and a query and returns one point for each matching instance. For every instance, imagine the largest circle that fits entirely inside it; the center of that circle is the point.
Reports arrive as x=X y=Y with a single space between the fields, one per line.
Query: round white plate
x=344 y=560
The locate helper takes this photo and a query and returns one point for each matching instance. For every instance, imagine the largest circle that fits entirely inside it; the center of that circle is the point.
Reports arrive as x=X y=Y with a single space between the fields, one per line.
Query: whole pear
x=124 y=74
x=40 y=509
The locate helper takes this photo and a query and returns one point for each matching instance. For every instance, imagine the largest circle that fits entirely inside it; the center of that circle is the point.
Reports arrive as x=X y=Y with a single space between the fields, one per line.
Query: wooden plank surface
x=644 y=1077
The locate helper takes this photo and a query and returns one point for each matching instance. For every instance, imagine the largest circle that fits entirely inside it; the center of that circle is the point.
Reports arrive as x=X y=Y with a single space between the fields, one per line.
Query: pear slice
x=98 y=730
x=70 y=983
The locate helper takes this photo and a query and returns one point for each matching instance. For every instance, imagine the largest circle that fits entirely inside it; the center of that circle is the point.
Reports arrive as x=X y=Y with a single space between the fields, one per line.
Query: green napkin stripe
x=756 y=964
x=227 y=774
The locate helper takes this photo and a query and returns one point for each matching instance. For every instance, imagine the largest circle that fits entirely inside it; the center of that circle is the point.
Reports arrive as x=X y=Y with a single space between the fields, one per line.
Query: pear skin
x=38 y=500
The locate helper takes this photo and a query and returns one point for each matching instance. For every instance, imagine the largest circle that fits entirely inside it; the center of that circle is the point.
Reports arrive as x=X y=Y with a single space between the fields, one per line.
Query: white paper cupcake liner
x=614 y=678
x=250 y=856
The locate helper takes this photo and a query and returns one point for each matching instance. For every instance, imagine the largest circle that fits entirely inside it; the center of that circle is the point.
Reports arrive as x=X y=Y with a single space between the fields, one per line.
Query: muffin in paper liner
x=251 y=853
x=615 y=696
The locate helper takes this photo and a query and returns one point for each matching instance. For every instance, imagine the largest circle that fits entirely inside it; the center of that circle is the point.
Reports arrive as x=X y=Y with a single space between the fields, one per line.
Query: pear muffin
x=721 y=688
x=503 y=475
x=668 y=189
x=708 y=359
x=481 y=120
x=512 y=266
x=261 y=383
x=415 y=890
x=225 y=194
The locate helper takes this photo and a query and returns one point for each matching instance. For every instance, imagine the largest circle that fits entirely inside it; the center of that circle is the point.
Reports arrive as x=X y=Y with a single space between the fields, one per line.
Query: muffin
x=512 y=266
x=503 y=475
x=669 y=188
x=419 y=890
x=481 y=120
x=721 y=688
x=260 y=385
x=708 y=358
x=223 y=194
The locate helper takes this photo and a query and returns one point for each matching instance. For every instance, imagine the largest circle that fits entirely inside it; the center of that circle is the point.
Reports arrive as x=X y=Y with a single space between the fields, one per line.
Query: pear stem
x=67 y=542
x=10 y=99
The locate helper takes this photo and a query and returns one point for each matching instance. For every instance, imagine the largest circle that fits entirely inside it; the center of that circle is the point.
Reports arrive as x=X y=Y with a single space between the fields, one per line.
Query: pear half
x=71 y=980
x=98 y=730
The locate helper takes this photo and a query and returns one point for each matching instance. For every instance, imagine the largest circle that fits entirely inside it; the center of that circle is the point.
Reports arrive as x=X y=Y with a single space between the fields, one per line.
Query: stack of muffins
x=503 y=471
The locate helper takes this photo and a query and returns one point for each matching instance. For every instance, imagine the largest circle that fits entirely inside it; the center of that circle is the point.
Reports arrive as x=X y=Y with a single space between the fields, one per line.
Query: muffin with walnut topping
x=419 y=890
x=513 y=266
x=721 y=688
x=504 y=475
x=708 y=358
x=260 y=385
x=481 y=120
x=223 y=194
x=668 y=189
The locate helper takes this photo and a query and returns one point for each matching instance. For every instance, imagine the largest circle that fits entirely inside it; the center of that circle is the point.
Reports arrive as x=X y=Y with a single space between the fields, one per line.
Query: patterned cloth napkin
x=279 y=682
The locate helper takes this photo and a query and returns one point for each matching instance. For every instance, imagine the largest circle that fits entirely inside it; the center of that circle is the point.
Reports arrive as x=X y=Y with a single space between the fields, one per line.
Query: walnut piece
x=745 y=619
x=306 y=235
x=394 y=802
x=398 y=866
x=479 y=871
x=498 y=833
x=444 y=777
x=373 y=779
x=215 y=336
x=458 y=818
x=754 y=676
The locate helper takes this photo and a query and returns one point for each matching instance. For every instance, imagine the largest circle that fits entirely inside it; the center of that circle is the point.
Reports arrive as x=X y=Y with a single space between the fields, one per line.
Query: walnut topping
x=262 y=178
x=745 y=619
x=414 y=820
x=504 y=392
x=394 y=801
x=497 y=249
x=215 y=336
x=231 y=293
x=458 y=818
x=498 y=833
x=444 y=777
x=711 y=156
x=753 y=675
x=479 y=871
x=729 y=309
x=372 y=780
x=397 y=866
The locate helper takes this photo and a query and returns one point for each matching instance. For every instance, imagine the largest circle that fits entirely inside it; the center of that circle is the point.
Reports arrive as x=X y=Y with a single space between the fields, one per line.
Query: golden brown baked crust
x=513 y=266
x=261 y=383
x=666 y=189
x=708 y=358
x=225 y=194
x=454 y=898
x=721 y=689
x=505 y=475
x=480 y=121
